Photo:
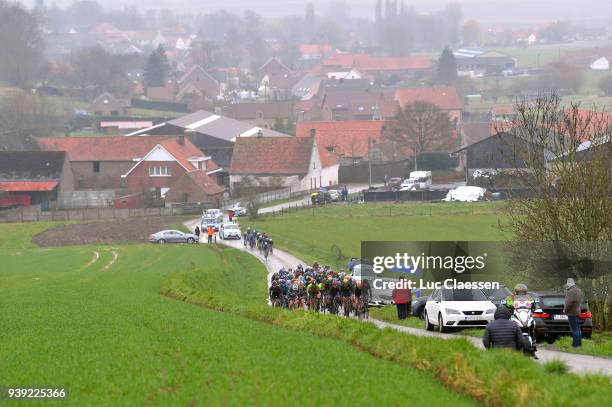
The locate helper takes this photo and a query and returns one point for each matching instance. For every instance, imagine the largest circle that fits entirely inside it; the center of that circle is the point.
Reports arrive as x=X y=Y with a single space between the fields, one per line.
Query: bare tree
x=21 y=49
x=421 y=126
x=25 y=114
x=568 y=176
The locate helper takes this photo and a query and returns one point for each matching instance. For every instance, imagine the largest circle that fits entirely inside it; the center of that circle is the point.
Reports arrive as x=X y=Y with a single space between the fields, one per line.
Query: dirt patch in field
x=135 y=230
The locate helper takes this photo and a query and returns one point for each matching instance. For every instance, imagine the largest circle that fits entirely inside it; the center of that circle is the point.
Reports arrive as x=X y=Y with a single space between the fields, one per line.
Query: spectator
x=197 y=232
x=386 y=179
x=503 y=333
x=402 y=299
x=210 y=231
x=230 y=215
x=573 y=299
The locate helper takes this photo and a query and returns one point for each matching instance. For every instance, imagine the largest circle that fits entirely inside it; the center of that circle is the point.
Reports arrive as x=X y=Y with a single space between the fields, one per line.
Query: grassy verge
x=19 y=235
x=282 y=201
x=600 y=344
x=493 y=378
x=105 y=333
x=332 y=234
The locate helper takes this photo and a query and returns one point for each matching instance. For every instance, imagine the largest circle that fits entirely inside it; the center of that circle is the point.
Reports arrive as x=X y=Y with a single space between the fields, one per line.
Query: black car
x=497 y=295
x=418 y=306
x=552 y=323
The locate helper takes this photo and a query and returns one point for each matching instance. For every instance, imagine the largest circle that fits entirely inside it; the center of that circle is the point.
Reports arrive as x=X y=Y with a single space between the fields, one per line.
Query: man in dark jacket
x=503 y=333
x=573 y=300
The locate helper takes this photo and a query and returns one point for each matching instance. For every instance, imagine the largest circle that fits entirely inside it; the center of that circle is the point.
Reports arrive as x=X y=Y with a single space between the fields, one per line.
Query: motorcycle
x=522 y=315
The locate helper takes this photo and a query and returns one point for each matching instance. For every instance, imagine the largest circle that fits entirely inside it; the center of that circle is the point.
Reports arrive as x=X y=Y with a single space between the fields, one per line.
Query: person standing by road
x=402 y=299
x=197 y=232
x=573 y=299
x=210 y=231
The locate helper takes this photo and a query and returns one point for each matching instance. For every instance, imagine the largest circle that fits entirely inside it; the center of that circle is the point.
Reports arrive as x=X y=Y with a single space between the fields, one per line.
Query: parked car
x=364 y=272
x=214 y=213
x=551 y=322
x=394 y=183
x=238 y=209
x=210 y=221
x=418 y=306
x=484 y=174
x=498 y=295
x=418 y=180
x=230 y=230
x=172 y=236
x=457 y=308
x=334 y=195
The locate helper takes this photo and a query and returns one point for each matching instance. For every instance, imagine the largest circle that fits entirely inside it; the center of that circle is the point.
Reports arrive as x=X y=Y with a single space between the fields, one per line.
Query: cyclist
x=276 y=294
x=313 y=295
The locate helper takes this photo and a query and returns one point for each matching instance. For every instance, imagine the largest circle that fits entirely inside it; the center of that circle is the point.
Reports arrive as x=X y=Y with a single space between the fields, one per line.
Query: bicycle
x=347 y=306
x=361 y=307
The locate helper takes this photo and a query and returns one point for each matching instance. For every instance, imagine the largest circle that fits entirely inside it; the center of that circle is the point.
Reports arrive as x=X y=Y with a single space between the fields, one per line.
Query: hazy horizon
x=491 y=11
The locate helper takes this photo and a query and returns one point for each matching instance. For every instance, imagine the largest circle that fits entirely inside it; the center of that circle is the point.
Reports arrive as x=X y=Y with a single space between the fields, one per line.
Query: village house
x=34 y=178
x=368 y=104
x=476 y=63
x=349 y=141
x=261 y=163
x=165 y=164
x=195 y=187
x=210 y=132
x=197 y=88
x=108 y=105
x=377 y=67
x=276 y=80
x=262 y=114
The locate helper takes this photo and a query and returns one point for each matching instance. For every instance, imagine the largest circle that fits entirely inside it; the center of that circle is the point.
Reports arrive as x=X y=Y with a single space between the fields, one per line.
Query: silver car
x=172 y=236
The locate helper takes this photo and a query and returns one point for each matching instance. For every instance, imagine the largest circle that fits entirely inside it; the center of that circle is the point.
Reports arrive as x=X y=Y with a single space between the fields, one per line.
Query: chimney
x=313 y=132
x=181 y=140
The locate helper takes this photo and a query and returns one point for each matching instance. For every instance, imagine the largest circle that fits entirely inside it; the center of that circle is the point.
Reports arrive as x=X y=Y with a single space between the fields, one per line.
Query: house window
x=96 y=166
x=160 y=171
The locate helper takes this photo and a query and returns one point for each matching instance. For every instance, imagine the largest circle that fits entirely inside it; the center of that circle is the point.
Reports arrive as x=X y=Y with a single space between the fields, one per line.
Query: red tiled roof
x=315 y=49
x=205 y=182
x=27 y=186
x=271 y=155
x=445 y=97
x=183 y=152
x=100 y=148
x=366 y=62
x=345 y=138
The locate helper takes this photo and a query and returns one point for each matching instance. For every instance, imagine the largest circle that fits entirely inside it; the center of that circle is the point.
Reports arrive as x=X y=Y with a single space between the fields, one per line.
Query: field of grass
x=111 y=338
x=332 y=234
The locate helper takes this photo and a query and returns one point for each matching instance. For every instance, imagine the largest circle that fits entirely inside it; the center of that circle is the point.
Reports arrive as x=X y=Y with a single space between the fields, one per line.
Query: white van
x=417 y=180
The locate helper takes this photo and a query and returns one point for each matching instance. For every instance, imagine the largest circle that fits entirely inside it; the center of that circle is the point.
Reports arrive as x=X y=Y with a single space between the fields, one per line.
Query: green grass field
x=111 y=338
x=333 y=233
x=129 y=333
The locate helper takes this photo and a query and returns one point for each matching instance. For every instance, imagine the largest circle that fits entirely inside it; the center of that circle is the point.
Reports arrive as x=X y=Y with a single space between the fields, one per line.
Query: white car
x=457 y=308
x=466 y=194
x=238 y=209
x=230 y=230
x=334 y=194
x=213 y=213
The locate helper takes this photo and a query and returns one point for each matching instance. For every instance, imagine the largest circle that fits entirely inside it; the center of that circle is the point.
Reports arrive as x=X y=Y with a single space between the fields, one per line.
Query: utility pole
x=369 y=163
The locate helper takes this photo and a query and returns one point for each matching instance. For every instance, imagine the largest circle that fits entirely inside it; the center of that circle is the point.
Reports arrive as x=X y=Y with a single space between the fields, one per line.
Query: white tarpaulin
x=465 y=194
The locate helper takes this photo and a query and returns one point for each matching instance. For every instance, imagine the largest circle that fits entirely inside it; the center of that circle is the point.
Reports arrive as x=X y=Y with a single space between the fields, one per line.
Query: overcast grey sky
x=483 y=10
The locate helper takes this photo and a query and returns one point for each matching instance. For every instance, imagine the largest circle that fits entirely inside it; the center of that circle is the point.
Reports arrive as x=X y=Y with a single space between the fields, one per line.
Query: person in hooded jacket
x=503 y=333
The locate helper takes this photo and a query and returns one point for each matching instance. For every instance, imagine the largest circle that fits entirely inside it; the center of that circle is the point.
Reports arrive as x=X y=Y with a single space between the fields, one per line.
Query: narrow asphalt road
x=352 y=188
x=576 y=363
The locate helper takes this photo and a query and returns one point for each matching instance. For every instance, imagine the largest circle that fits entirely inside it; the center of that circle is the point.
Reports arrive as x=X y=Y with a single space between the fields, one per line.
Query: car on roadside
x=172 y=236
x=418 y=306
x=457 y=308
x=484 y=174
x=394 y=183
x=230 y=230
x=213 y=213
x=210 y=221
x=497 y=295
x=551 y=322
x=238 y=209
x=334 y=195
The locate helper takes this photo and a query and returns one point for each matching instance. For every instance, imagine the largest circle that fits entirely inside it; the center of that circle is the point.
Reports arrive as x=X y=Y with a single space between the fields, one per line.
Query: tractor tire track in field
x=115 y=254
x=94 y=258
